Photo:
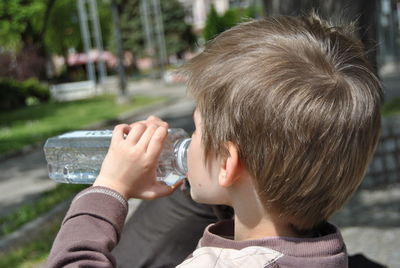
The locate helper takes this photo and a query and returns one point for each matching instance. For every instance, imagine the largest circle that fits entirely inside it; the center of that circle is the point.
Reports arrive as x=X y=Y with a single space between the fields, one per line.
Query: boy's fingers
x=119 y=132
x=156 y=120
x=156 y=143
x=141 y=122
x=152 y=120
x=137 y=130
x=146 y=137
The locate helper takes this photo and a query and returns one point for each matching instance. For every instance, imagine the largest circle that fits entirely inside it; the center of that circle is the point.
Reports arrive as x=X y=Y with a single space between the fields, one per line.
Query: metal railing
x=74 y=91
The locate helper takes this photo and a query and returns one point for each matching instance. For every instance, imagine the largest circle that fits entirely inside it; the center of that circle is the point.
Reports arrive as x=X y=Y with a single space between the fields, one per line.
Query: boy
x=287 y=120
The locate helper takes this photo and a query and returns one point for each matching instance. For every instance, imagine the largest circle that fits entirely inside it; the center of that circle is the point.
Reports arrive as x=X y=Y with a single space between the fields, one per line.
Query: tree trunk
x=31 y=60
x=49 y=7
x=363 y=11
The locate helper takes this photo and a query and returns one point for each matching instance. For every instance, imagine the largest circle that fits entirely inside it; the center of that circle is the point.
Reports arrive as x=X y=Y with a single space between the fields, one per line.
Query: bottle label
x=85 y=133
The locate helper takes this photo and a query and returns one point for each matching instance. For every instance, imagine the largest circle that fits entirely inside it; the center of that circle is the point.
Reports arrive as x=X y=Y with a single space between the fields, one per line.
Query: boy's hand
x=130 y=164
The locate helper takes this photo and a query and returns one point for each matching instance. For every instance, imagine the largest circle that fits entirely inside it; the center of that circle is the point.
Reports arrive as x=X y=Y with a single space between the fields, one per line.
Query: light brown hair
x=298 y=98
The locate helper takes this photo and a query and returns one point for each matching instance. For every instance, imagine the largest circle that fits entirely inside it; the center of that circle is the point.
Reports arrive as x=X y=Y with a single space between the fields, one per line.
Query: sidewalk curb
x=123 y=117
x=33 y=229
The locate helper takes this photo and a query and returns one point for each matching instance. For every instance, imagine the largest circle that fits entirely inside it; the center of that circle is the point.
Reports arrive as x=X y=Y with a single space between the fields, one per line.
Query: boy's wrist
x=101 y=182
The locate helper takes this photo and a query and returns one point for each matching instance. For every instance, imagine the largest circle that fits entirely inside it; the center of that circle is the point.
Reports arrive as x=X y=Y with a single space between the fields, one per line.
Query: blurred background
x=91 y=64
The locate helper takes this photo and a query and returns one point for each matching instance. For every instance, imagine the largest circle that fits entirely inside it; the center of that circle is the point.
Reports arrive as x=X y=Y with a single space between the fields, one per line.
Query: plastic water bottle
x=76 y=157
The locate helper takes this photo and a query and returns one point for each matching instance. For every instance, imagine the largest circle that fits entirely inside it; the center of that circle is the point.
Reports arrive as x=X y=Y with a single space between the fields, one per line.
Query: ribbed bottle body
x=76 y=157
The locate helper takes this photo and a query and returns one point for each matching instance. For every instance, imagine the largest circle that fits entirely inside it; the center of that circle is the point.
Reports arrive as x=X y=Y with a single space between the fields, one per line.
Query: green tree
x=178 y=35
x=216 y=24
x=64 y=30
x=23 y=24
x=33 y=29
x=230 y=18
x=131 y=27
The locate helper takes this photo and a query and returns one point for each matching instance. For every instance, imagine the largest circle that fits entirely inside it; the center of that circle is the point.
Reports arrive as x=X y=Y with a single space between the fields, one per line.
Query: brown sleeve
x=90 y=230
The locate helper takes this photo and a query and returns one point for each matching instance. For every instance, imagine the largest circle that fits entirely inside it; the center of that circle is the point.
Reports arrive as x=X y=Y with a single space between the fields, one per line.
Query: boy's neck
x=252 y=220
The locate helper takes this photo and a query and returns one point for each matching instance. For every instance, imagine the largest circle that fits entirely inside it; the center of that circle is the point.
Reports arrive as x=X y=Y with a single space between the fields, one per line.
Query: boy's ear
x=230 y=166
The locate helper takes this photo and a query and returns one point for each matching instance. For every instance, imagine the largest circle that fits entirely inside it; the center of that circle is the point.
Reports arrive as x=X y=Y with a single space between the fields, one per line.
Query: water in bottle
x=76 y=157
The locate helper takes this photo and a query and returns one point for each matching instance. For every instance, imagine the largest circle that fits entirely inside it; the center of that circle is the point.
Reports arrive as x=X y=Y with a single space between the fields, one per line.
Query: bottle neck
x=180 y=153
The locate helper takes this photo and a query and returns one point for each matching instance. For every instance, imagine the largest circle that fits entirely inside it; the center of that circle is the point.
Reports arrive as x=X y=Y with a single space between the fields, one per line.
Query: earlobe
x=230 y=167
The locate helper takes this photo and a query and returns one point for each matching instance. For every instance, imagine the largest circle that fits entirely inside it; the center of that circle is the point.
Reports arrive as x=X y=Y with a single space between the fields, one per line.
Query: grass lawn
x=37 y=250
x=28 y=212
x=37 y=123
x=34 y=253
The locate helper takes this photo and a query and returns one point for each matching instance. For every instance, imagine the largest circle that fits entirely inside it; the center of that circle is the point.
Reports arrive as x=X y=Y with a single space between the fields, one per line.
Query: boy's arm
x=95 y=219
x=90 y=230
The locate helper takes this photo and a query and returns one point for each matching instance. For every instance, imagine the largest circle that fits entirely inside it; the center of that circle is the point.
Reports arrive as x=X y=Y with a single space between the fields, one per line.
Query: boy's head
x=299 y=100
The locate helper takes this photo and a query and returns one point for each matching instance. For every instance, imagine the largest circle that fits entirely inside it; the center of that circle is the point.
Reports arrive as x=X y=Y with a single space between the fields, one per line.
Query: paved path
x=23 y=179
x=391 y=85
x=370 y=224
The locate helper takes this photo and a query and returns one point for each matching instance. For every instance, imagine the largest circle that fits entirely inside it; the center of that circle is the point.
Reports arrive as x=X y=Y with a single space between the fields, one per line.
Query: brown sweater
x=94 y=222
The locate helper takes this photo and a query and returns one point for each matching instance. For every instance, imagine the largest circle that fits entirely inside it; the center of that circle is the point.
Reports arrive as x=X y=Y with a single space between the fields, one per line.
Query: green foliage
x=22 y=28
x=11 y=94
x=216 y=24
x=18 y=17
x=64 y=30
x=36 y=251
x=25 y=21
x=178 y=35
x=15 y=94
x=230 y=18
x=253 y=11
x=104 y=10
x=34 y=88
x=131 y=27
